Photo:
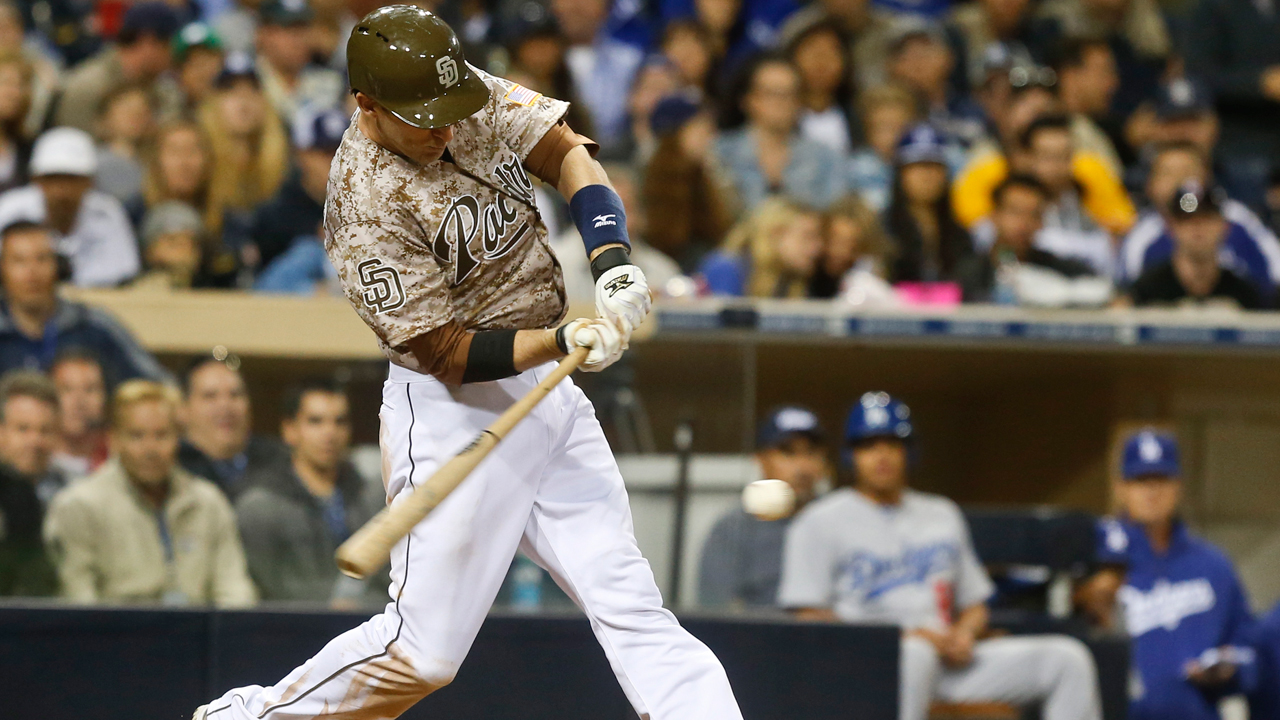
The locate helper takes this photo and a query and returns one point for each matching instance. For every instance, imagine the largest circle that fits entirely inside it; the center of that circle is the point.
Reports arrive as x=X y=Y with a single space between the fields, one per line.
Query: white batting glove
x=623 y=299
x=604 y=340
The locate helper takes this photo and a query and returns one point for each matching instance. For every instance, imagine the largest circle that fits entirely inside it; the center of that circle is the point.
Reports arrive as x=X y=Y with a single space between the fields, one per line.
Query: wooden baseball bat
x=368 y=549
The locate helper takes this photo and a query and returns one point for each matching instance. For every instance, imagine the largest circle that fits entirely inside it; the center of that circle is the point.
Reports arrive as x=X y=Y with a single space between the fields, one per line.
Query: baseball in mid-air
x=769 y=499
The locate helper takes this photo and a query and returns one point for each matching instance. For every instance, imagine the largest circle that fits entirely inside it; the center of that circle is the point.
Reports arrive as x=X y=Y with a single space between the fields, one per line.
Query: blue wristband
x=599 y=216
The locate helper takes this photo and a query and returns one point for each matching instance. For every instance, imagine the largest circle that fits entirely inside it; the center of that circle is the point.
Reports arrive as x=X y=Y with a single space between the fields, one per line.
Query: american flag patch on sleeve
x=522 y=95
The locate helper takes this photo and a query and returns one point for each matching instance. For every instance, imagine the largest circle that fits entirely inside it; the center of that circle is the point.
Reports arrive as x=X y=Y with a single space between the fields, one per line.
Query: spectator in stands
x=249 y=148
x=1231 y=45
x=218 y=444
x=538 y=61
x=29 y=426
x=297 y=209
x=1181 y=603
x=602 y=67
x=659 y=269
x=15 y=101
x=93 y=228
x=42 y=72
x=180 y=169
x=1250 y=250
x=820 y=51
x=1087 y=81
x=921 y=60
x=174 y=251
x=886 y=111
x=198 y=58
x=1194 y=272
x=655 y=80
x=25 y=570
x=299 y=509
x=35 y=324
x=141 y=54
x=1009 y=23
x=742 y=557
x=855 y=257
x=881 y=552
x=685 y=181
x=866 y=27
x=126 y=119
x=1184 y=113
x=1137 y=34
x=237 y=25
x=773 y=252
x=82 y=401
x=687 y=45
x=766 y=156
x=929 y=242
x=1079 y=221
x=289 y=80
x=142 y=529
x=1014 y=270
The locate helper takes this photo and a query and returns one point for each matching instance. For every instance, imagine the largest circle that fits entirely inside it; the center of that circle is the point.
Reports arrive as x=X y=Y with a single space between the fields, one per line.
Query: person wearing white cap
x=93 y=229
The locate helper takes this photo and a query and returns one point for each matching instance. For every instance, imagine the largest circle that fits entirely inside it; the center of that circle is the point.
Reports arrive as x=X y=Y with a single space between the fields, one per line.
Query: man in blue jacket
x=36 y=325
x=1181 y=601
x=1264 y=702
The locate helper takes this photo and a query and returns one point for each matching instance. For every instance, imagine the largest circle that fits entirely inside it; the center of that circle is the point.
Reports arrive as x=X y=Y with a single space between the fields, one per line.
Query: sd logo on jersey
x=382 y=288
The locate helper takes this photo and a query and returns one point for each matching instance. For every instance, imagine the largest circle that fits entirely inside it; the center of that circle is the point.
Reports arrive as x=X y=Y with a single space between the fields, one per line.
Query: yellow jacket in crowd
x=106 y=541
x=1104 y=196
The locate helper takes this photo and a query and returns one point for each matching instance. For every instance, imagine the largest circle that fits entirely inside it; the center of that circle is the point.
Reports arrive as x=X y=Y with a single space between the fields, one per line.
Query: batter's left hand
x=623 y=299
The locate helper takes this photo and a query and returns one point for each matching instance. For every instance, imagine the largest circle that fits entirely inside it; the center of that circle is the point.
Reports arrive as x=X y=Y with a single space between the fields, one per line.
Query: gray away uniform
x=913 y=565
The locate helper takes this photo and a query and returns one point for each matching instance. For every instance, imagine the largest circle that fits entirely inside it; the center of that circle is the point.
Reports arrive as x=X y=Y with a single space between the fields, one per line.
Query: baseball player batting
x=430 y=221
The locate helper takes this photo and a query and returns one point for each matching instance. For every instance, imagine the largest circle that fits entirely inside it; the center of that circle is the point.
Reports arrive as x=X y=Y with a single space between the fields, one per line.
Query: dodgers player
x=883 y=553
x=1182 y=605
x=431 y=224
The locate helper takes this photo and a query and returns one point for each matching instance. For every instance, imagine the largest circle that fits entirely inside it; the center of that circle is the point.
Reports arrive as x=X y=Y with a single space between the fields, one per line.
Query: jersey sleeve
x=973 y=585
x=522 y=116
x=808 y=566
x=396 y=284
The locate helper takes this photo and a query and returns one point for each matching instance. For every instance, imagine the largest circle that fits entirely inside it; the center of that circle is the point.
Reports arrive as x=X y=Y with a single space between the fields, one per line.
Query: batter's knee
x=423 y=673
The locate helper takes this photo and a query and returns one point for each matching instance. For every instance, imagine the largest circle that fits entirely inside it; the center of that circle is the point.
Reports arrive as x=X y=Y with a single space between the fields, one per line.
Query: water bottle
x=1006 y=289
x=526 y=585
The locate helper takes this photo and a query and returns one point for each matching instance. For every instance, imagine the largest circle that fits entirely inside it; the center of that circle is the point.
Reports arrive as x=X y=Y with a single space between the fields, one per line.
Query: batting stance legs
x=553 y=489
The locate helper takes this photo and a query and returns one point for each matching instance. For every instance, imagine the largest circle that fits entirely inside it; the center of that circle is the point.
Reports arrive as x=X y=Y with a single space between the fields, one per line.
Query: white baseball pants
x=1055 y=670
x=553 y=489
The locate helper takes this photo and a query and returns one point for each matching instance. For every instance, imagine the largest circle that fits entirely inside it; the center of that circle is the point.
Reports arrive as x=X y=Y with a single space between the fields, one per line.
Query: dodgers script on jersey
x=418 y=246
x=910 y=565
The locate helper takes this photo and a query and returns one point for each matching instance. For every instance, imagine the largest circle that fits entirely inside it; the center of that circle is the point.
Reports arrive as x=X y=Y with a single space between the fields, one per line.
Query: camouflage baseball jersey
x=417 y=246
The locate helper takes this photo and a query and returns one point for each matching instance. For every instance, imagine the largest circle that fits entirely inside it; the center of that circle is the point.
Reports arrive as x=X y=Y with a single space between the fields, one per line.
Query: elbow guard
x=492 y=356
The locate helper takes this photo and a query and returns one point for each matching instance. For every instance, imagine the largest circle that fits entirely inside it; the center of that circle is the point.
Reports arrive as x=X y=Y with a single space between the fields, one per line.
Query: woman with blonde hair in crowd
x=855 y=257
x=15 y=102
x=180 y=170
x=249 y=144
x=772 y=253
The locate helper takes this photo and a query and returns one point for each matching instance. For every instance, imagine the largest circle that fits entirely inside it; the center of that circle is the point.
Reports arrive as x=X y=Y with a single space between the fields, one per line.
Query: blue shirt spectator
x=1183 y=605
x=766 y=156
x=601 y=66
x=35 y=324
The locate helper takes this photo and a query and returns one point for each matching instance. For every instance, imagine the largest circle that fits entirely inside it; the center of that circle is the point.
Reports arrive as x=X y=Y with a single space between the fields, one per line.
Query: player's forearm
x=974 y=619
x=578 y=170
x=535 y=347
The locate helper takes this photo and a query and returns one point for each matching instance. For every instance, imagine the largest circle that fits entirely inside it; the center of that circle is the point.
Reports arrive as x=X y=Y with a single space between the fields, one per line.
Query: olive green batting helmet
x=410 y=61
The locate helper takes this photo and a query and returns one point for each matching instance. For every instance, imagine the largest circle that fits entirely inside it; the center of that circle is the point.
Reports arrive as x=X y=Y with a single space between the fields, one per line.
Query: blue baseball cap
x=1150 y=452
x=671 y=113
x=785 y=423
x=922 y=144
x=878 y=414
x=319 y=129
x=1183 y=97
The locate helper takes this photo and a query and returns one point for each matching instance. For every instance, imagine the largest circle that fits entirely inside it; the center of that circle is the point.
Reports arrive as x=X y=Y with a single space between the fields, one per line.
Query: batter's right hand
x=604 y=340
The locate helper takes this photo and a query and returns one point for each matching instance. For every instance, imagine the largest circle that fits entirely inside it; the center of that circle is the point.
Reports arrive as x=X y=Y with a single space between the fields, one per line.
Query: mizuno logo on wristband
x=622 y=282
x=602 y=220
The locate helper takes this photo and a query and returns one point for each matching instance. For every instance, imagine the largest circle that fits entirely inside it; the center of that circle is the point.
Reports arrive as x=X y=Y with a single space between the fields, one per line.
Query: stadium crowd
x=1046 y=152
x=1082 y=153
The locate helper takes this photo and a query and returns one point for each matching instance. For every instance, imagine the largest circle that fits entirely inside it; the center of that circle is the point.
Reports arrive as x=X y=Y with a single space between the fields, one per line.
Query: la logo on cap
x=1149 y=448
